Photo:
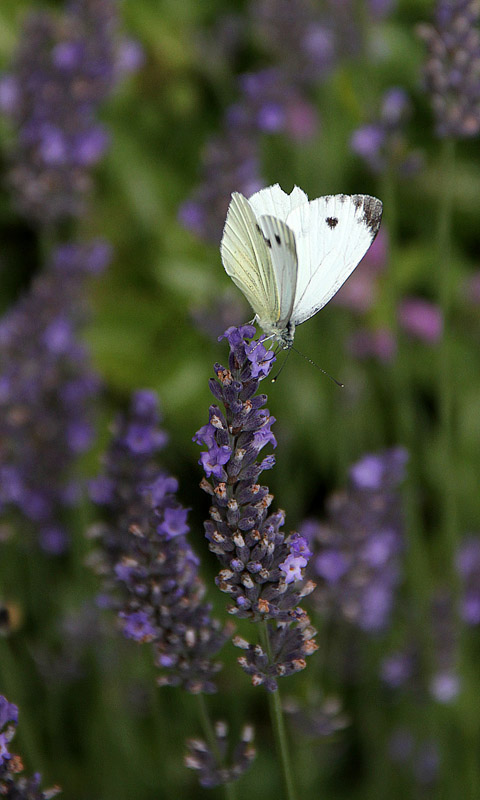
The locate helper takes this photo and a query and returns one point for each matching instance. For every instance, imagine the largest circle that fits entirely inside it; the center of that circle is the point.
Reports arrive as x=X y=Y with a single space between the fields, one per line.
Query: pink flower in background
x=379 y=344
x=421 y=319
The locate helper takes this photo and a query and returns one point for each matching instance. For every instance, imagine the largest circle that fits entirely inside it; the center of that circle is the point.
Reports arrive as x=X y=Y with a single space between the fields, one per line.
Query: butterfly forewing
x=246 y=258
x=332 y=235
x=280 y=241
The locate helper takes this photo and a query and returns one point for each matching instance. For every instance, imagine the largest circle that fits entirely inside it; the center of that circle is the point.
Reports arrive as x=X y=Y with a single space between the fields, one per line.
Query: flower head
x=451 y=69
x=64 y=69
x=148 y=566
x=262 y=568
x=356 y=552
x=47 y=388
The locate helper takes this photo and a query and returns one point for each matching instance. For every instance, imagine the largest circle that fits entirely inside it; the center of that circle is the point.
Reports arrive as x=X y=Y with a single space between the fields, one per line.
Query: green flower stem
x=209 y=734
x=445 y=383
x=406 y=428
x=278 y=725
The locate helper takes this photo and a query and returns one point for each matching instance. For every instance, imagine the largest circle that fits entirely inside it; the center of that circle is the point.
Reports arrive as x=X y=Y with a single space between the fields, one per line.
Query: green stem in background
x=278 y=725
x=445 y=393
x=209 y=733
x=406 y=424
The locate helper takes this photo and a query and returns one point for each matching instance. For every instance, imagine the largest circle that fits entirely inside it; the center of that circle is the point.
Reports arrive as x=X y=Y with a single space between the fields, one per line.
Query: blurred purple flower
x=468 y=568
x=47 y=388
x=421 y=319
x=262 y=568
x=203 y=758
x=379 y=344
x=64 y=69
x=357 y=551
x=450 y=73
x=382 y=144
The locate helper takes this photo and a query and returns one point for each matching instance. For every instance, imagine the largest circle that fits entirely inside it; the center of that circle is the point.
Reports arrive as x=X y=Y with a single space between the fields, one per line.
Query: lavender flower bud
x=451 y=72
x=262 y=568
x=147 y=564
x=212 y=773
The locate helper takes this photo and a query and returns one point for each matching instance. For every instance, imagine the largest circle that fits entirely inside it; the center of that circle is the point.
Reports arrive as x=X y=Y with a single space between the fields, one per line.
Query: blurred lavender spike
x=357 y=550
x=149 y=569
x=262 y=568
x=450 y=73
x=200 y=757
x=47 y=387
x=65 y=68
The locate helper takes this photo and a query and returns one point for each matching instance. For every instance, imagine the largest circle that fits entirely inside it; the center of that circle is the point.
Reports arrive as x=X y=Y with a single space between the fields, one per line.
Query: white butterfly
x=289 y=255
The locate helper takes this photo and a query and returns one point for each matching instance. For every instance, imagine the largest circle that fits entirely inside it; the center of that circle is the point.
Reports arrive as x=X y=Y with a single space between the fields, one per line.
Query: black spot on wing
x=277 y=238
x=332 y=222
x=267 y=242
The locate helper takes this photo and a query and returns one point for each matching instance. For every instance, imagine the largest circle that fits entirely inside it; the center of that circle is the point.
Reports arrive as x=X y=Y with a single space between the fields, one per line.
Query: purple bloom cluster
x=148 y=566
x=297 y=35
x=200 y=758
x=12 y=784
x=404 y=669
x=451 y=71
x=382 y=144
x=47 y=388
x=468 y=568
x=356 y=551
x=65 y=67
x=272 y=100
x=262 y=568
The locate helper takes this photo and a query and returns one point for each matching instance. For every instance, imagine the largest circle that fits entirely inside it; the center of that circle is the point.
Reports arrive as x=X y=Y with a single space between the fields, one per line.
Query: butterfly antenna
x=341 y=385
x=274 y=380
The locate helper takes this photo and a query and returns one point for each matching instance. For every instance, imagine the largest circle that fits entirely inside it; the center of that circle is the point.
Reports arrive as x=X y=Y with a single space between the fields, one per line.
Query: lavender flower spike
x=12 y=784
x=451 y=71
x=47 y=389
x=65 y=68
x=149 y=569
x=262 y=568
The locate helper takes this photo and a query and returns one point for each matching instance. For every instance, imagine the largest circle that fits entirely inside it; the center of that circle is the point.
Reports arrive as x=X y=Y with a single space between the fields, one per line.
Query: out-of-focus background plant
x=124 y=127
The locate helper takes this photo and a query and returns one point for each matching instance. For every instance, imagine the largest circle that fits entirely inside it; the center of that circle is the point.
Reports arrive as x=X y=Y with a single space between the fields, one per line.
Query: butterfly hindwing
x=332 y=235
x=247 y=259
x=280 y=240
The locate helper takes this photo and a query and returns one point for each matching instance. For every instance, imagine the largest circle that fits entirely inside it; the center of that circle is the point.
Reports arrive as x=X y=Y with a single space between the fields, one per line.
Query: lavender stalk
x=262 y=567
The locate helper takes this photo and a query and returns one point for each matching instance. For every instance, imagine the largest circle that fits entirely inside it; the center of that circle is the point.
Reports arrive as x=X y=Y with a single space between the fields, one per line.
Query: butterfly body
x=289 y=255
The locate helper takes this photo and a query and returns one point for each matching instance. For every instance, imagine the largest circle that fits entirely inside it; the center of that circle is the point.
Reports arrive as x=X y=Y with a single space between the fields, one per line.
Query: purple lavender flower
x=379 y=344
x=356 y=552
x=46 y=393
x=421 y=319
x=468 y=568
x=451 y=70
x=262 y=568
x=12 y=784
x=297 y=35
x=148 y=567
x=65 y=68
x=200 y=757
x=382 y=144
